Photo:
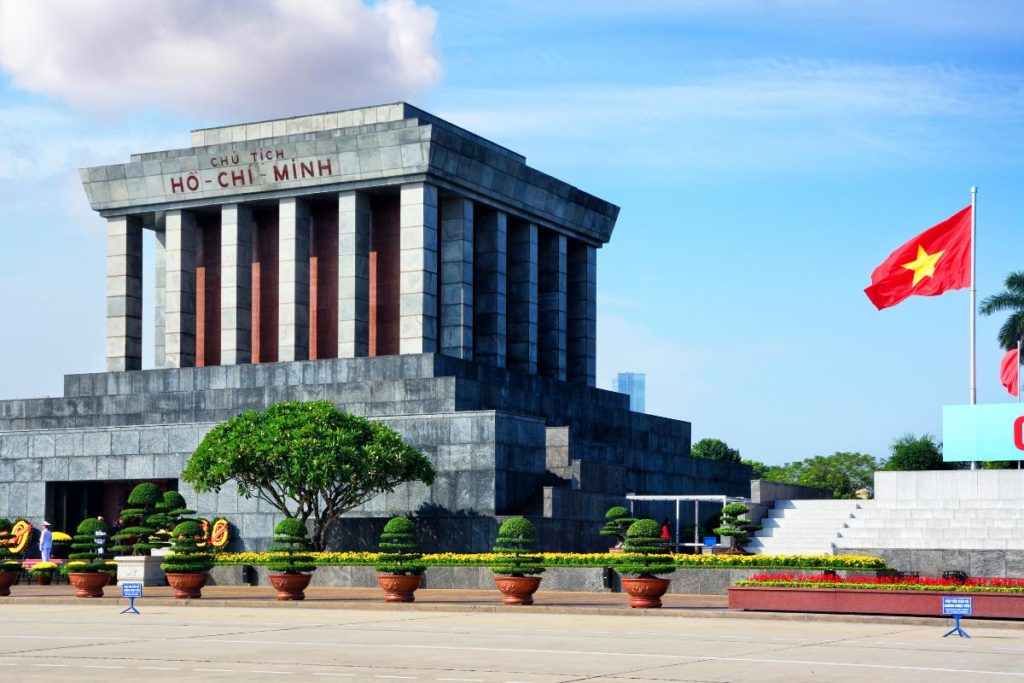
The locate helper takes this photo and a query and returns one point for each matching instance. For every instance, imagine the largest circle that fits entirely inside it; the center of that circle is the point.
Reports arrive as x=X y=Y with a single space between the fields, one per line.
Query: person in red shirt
x=666 y=533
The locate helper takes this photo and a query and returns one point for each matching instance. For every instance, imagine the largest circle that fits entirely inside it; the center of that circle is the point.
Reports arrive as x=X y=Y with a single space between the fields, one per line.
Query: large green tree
x=1010 y=300
x=308 y=460
x=715 y=449
x=910 y=452
x=841 y=473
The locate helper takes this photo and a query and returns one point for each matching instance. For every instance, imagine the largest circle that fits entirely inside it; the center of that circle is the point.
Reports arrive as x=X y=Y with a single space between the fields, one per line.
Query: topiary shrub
x=735 y=527
x=292 y=539
x=187 y=555
x=399 y=549
x=646 y=555
x=135 y=537
x=7 y=561
x=88 y=547
x=618 y=522
x=514 y=546
x=170 y=511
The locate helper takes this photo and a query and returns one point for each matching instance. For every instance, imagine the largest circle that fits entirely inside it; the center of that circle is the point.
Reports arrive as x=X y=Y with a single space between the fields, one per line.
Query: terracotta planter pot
x=615 y=551
x=290 y=586
x=88 y=584
x=645 y=593
x=44 y=579
x=518 y=590
x=399 y=587
x=7 y=579
x=188 y=584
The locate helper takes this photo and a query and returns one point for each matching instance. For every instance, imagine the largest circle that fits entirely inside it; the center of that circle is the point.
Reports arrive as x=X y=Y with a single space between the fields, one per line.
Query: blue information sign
x=956 y=607
x=131 y=590
x=951 y=606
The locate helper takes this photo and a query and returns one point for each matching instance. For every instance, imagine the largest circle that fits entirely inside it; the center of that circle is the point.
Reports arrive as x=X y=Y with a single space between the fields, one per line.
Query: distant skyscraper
x=634 y=384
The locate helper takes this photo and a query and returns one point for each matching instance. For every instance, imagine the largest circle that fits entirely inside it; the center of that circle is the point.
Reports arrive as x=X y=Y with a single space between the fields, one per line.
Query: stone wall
x=503 y=443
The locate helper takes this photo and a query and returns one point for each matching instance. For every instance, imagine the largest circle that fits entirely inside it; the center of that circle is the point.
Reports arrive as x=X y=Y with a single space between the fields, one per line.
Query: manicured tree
x=89 y=548
x=618 y=522
x=399 y=548
x=291 y=539
x=646 y=555
x=307 y=460
x=188 y=552
x=515 y=549
x=735 y=526
x=170 y=511
x=134 y=538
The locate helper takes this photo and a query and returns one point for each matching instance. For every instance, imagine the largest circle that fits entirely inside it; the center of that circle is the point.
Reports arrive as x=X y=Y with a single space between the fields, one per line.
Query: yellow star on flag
x=924 y=265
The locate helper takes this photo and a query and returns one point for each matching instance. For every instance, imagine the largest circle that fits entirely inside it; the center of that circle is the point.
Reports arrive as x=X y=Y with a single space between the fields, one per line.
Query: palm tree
x=1010 y=300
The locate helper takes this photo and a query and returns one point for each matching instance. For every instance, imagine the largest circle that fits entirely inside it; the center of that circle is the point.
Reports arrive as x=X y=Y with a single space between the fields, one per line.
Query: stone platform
x=503 y=443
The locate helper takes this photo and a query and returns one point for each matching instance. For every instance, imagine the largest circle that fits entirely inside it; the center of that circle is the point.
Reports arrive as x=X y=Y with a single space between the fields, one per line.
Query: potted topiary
x=134 y=542
x=645 y=558
x=400 y=565
x=87 y=561
x=516 y=565
x=290 y=572
x=169 y=512
x=735 y=527
x=618 y=521
x=43 y=572
x=9 y=567
x=188 y=565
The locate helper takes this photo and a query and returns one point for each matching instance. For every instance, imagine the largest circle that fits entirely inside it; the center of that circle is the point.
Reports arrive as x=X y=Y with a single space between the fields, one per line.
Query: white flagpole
x=1018 y=371
x=974 y=306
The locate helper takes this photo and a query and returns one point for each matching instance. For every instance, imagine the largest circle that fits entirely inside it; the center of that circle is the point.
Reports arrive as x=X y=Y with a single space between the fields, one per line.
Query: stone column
x=180 y=285
x=490 y=282
x=552 y=312
x=582 y=304
x=522 y=297
x=293 y=280
x=236 y=226
x=159 y=295
x=353 y=274
x=457 y=277
x=124 y=293
x=417 y=308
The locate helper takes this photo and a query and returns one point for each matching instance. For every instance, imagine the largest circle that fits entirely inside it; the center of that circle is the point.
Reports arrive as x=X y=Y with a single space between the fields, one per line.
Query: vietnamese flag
x=1009 y=372
x=937 y=260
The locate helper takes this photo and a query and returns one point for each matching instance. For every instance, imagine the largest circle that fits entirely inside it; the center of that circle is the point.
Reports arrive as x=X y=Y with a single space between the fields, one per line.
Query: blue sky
x=766 y=156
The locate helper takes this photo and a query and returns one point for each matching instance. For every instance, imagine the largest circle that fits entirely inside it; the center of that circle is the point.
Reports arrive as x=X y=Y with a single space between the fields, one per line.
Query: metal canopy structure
x=696 y=499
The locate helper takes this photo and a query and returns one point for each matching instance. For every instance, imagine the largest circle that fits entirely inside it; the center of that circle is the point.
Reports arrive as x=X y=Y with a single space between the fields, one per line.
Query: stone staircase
x=937 y=524
x=804 y=527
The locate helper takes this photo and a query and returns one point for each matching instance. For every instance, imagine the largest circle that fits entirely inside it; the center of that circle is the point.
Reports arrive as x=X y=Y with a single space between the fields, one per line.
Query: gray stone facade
x=502 y=442
x=387 y=261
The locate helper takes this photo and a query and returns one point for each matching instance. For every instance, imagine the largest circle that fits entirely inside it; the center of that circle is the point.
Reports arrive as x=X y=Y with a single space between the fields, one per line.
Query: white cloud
x=238 y=58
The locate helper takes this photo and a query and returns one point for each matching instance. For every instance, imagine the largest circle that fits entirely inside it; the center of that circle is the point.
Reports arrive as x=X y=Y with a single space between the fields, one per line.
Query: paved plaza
x=91 y=641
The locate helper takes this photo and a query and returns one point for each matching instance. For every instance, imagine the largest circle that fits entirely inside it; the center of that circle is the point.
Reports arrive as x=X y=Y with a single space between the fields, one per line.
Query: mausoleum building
x=380 y=258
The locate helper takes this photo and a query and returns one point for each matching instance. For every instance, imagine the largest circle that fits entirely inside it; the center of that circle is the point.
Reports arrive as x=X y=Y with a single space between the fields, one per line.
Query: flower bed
x=355 y=559
x=922 y=583
x=917 y=596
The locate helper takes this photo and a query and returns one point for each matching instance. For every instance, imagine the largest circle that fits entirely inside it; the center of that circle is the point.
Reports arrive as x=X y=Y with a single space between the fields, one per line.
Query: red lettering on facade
x=222 y=178
x=192 y=182
x=280 y=173
x=324 y=166
x=306 y=168
x=238 y=178
x=177 y=185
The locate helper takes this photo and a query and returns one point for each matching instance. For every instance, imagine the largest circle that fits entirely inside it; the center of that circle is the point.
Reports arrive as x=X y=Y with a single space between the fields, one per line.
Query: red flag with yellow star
x=936 y=261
